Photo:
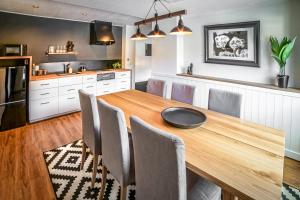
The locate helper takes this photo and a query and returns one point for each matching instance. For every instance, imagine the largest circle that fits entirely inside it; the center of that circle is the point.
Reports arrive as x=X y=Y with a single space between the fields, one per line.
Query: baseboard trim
x=292 y=154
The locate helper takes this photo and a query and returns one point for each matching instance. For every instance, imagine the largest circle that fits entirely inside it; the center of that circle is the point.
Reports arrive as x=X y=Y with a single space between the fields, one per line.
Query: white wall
x=278 y=20
x=165 y=53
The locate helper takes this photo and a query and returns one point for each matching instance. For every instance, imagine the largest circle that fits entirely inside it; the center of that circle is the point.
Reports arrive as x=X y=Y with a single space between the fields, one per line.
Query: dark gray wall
x=38 y=33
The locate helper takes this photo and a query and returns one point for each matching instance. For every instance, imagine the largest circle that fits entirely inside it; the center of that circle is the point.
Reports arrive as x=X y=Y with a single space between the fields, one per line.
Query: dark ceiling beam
x=160 y=17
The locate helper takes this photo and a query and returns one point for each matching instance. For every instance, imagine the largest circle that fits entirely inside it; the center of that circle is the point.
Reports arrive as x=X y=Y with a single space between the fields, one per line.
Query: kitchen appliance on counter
x=105 y=76
x=13 y=50
x=13 y=94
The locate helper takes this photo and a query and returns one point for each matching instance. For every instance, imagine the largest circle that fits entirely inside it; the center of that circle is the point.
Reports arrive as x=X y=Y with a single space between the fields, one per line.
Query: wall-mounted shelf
x=66 y=53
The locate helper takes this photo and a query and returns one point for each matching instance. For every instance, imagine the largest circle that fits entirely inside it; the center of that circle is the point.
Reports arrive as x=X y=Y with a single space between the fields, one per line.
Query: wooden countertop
x=260 y=85
x=14 y=57
x=54 y=76
x=244 y=158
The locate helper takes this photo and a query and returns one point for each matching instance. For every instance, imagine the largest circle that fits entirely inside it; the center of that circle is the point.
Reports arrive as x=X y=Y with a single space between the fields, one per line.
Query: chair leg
x=83 y=156
x=123 y=193
x=103 y=181
x=95 y=164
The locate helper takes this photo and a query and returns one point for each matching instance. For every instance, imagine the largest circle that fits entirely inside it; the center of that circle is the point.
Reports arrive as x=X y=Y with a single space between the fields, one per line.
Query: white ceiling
x=121 y=11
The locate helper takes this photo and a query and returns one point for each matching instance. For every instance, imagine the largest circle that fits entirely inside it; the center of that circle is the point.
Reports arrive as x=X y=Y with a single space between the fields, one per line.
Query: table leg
x=228 y=196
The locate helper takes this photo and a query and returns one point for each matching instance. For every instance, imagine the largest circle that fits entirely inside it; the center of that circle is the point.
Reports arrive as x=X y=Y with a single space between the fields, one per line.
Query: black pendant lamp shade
x=180 y=29
x=139 y=35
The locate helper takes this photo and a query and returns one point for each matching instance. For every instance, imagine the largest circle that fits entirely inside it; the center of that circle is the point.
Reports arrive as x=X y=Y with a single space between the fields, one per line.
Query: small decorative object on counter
x=70 y=69
x=116 y=65
x=190 y=69
x=70 y=46
x=51 y=49
x=39 y=72
x=82 y=67
x=281 y=52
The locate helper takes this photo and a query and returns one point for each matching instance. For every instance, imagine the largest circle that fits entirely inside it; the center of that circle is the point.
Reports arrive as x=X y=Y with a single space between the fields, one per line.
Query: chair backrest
x=156 y=87
x=115 y=142
x=225 y=102
x=160 y=170
x=90 y=121
x=183 y=93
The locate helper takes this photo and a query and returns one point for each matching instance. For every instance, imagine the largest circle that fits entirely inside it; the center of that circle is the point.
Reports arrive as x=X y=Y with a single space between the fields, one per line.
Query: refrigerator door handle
x=3 y=104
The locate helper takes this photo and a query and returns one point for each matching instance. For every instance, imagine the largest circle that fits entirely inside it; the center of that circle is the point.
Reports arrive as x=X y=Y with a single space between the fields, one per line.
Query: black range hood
x=101 y=33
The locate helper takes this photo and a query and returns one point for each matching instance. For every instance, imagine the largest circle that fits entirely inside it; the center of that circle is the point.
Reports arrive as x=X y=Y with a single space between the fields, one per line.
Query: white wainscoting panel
x=273 y=108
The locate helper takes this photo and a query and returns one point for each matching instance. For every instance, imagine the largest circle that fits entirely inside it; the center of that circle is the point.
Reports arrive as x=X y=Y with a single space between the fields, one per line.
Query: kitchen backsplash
x=58 y=67
x=39 y=33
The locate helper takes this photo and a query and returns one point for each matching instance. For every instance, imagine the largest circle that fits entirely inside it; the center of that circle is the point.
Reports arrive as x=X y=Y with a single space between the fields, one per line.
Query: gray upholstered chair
x=91 y=136
x=225 y=102
x=117 y=152
x=156 y=87
x=183 y=93
x=160 y=168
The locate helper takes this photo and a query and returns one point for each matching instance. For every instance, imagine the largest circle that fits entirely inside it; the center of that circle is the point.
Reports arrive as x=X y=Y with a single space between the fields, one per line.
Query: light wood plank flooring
x=23 y=173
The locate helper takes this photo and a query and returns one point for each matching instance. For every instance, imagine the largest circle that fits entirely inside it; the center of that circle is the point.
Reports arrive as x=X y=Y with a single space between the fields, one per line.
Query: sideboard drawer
x=43 y=94
x=70 y=81
x=43 y=108
x=71 y=89
x=44 y=84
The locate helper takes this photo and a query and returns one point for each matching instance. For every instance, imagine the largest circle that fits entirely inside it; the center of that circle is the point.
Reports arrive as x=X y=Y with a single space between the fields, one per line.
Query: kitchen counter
x=54 y=76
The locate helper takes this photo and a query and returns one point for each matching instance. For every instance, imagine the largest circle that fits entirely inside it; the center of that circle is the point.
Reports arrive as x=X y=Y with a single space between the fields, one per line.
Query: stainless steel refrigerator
x=13 y=96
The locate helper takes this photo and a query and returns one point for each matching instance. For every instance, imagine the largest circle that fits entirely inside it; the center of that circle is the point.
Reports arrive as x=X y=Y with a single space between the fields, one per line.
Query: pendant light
x=180 y=29
x=139 y=35
x=156 y=33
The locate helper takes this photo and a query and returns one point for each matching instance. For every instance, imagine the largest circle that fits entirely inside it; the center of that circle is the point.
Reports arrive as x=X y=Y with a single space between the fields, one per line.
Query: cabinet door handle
x=90 y=78
x=106 y=84
x=44 y=84
x=44 y=93
x=123 y=81
x=71 y=98
x=44 y=103
x=89 y=86
x=123 y=74
x=123 y=88
x=70 y=90
x=106 y=91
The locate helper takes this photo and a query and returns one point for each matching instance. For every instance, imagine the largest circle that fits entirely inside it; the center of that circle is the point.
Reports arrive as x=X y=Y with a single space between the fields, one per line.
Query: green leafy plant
x=282 y=51
x=116 y=65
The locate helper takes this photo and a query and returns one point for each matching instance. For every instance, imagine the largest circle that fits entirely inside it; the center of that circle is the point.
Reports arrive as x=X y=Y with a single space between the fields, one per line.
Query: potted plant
x=116 y=65
x=281 y=52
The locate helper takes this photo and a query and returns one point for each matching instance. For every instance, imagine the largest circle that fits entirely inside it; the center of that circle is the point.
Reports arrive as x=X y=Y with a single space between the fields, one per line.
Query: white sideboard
x=278 y=109
x=57 y=96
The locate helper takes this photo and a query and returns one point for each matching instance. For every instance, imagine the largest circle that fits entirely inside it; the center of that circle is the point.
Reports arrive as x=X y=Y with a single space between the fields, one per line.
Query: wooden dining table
x=243 y=158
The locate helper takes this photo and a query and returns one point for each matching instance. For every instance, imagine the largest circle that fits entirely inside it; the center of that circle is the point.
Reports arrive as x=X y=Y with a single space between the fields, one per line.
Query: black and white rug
x=69 y=182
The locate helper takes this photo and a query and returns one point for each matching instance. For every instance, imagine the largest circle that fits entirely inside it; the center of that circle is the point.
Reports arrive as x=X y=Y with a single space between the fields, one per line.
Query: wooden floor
x=23 y=173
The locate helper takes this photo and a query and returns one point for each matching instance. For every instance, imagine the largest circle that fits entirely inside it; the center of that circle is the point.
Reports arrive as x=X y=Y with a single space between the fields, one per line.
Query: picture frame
x=233 y=44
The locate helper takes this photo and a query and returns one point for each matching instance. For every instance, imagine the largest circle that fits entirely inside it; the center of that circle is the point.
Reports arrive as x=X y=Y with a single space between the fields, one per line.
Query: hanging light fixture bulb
x=156 y=33
x=139 y=35
x=180 y=29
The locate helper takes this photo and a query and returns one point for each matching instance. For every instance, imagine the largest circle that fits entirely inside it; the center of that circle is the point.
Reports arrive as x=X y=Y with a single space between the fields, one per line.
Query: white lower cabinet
x=90 y=88
x=43 y=108
x=55 y=97
x=68 y=103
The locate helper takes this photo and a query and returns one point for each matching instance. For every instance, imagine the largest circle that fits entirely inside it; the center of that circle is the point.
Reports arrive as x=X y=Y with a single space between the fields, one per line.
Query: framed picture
x=233 y=44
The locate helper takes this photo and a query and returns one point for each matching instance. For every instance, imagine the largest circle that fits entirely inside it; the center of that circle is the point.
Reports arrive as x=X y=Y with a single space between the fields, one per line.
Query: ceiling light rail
x=180 y=29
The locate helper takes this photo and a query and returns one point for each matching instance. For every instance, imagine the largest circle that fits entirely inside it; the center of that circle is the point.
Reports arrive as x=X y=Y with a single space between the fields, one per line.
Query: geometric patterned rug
x=69 y=182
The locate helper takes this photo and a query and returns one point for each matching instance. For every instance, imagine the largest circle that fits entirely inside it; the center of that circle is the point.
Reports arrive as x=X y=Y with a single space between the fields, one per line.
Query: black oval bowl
x=181 y=117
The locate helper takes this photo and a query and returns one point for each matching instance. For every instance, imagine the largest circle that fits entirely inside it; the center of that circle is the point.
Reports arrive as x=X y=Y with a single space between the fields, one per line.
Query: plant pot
x=283 y=81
